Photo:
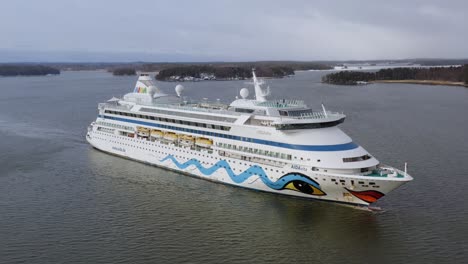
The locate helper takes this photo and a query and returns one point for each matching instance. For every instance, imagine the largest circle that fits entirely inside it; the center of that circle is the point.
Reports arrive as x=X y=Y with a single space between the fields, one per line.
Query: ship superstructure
x=278 y=146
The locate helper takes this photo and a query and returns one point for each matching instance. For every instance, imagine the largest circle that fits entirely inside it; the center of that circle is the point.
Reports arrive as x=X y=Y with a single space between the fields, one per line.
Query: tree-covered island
x=26 y=70
x=435 y=75
x=209 y=72
x=124 y=71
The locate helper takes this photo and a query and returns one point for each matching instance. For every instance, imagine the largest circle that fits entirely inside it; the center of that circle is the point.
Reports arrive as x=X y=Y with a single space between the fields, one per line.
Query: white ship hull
x=246 y=174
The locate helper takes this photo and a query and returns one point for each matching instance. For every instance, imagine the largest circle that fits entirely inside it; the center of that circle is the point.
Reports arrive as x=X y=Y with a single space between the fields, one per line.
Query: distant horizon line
x=228 y=61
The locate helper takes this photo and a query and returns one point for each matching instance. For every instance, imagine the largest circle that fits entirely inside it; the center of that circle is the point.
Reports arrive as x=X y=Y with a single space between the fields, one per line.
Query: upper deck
x=282 y=114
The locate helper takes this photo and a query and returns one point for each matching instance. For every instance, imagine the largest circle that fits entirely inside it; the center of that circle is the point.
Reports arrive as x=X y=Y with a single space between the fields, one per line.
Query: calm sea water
x=63 y=202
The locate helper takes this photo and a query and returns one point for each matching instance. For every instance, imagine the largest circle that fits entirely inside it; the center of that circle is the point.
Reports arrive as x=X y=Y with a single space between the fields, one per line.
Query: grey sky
x=232 y=30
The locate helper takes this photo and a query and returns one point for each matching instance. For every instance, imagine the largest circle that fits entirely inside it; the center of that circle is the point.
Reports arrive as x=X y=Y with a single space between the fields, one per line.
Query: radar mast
x=260 y=93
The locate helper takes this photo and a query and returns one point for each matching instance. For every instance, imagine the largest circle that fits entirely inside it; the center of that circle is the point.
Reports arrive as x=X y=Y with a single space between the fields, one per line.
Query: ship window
x=244 y=110
x=354 y=159
x=308 y=125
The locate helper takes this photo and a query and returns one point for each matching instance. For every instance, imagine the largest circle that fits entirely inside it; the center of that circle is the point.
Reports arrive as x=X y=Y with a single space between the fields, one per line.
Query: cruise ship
x=280 y=146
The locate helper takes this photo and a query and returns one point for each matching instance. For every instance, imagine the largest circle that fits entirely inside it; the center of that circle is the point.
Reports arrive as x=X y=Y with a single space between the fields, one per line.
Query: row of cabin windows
x=256 y=151
x=115 y=125
x=295 y=112
x=363 y=184
x=354 y=159
x=170 y=120
x=190 y=115
x=105 y=129
x=253 y=159
x=308 y=125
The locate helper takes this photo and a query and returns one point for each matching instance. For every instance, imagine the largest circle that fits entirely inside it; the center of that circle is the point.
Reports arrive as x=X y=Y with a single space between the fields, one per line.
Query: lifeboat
x=187 y=137
x=171 y=136
x=187 y=140
x=156 y=133
x=143 y=131
x=204 y=142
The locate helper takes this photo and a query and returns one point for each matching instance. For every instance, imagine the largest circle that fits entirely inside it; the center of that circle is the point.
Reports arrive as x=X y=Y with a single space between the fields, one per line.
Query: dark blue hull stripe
x=338 y=147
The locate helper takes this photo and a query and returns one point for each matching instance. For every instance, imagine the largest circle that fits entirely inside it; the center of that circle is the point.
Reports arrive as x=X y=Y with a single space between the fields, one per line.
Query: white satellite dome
x=178 y=89
x=244 y=93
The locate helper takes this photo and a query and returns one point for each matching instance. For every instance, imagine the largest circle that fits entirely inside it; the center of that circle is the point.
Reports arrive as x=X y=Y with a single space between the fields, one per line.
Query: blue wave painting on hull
x=282 y=183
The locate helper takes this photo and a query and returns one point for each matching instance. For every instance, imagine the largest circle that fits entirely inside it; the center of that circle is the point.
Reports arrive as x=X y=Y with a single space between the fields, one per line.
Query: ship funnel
x=146 y=85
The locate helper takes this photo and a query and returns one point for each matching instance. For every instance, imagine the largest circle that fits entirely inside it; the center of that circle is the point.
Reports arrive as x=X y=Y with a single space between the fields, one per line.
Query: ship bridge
x=286 y=114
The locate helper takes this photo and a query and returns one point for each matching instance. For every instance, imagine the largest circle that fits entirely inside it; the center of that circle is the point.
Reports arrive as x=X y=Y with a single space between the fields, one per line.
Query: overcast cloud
x=232 y=30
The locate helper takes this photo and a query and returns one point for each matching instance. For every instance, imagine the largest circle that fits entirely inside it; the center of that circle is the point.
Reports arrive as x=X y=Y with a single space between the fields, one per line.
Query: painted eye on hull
x=303 y=187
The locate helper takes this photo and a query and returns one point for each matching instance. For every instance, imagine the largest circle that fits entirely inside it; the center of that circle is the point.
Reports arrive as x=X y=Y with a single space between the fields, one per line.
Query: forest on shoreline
x=207 y=72
x=219 y=70
x=123 y=71
x=439 y=75
x=27 y=70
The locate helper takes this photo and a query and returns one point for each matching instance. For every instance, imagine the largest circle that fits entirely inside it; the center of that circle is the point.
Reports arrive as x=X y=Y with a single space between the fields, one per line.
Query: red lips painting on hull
x=370 y=196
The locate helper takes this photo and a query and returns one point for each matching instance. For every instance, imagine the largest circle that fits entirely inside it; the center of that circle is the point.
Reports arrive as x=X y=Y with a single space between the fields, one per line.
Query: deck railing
x=317 y=115
x=223 y=111
x=282 y=103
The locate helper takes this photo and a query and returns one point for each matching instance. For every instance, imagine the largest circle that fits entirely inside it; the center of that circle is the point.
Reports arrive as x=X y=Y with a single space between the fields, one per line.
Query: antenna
x=260 y=94
x=324 y=110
